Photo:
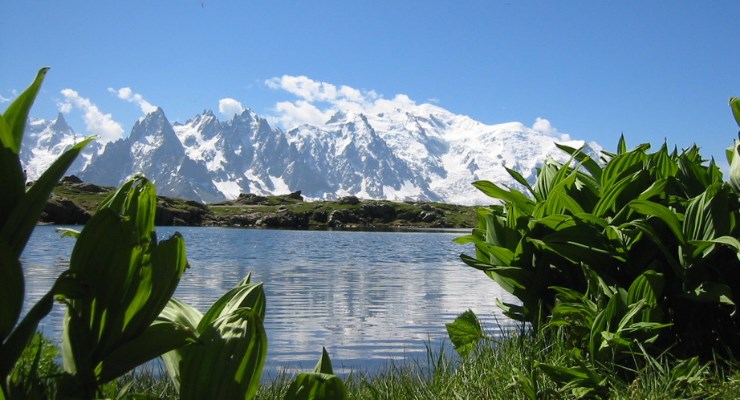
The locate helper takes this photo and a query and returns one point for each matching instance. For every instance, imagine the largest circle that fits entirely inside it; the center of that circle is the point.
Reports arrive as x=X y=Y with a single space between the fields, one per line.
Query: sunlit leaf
x=318 y=385
x=465 y=332
x=513 y=196
x=157 y=339
x=16 y=114
x=235 y=345
x=23 y=218
x=735 y=106
x=661 y=212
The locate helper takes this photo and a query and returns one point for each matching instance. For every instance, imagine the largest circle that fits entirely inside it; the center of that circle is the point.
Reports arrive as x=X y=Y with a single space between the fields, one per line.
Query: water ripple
x=366 y=296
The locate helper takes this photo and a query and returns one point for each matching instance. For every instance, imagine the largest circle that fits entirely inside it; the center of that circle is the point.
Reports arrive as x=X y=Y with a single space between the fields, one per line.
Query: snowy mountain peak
x=422 y=152
x=60 y=124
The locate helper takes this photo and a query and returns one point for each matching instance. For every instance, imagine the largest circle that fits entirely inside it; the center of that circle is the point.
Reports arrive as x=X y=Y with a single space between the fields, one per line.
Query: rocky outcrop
x=62 y=211
x=172 y=212
x=74 y=201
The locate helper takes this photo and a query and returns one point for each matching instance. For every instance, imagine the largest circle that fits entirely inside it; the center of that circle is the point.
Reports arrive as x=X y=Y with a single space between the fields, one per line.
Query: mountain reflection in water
x=368 y=297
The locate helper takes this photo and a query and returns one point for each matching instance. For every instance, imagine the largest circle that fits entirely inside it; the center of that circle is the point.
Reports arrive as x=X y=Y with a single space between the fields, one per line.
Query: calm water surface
x=368 y=297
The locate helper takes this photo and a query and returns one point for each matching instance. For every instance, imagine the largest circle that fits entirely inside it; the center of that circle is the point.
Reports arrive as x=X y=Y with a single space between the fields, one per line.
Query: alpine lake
x=369 y=297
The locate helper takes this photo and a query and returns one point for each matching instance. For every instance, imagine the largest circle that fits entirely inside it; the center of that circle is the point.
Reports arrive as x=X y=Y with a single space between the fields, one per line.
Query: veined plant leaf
x=16 y=114
x=734 y=154
x=318 y=385
x=465 y=332
x=735 y=107
x=186 y=316
x=157 y=339
x=707 y=215
x=22 y=219
x=519 y=178
x=11 y=173
x=235 y=345
x=511 y=195
x=661 y=212
x=584 y=159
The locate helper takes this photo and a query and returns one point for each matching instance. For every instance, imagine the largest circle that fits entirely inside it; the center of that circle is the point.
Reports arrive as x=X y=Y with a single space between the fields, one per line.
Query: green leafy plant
x=127 y=278
x=321 y=384
x=19 y=211
x=231 y=341
x=465 y=332
x=624 y=259
x=593 y=231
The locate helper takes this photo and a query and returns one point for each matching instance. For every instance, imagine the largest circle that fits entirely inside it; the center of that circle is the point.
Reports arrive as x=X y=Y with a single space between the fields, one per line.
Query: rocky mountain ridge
x=424 y=153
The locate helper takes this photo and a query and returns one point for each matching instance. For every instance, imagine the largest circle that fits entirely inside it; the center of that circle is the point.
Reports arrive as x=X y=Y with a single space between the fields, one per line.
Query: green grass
x=504 y=368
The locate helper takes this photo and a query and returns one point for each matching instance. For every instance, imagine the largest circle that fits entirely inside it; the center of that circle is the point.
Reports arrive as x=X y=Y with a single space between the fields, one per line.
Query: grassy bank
x=73 y=202
x=504 y=368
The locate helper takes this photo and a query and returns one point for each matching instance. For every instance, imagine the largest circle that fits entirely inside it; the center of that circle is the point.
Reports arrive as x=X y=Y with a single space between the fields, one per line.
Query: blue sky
x=595 y=69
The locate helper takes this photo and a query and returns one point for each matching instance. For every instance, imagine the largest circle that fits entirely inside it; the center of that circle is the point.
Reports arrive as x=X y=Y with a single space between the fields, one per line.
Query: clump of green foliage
x=635 y=255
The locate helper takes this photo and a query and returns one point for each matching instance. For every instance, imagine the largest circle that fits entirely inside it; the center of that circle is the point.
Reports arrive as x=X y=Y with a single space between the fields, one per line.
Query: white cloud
x=544 y=126
x=318 y=101
x=97 y=122
x=291 y=114
x=125 y=93
x=229 y=107
x=4 y=99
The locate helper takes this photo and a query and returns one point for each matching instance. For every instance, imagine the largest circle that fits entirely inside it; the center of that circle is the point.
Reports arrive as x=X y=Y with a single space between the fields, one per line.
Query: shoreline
x=73 y=202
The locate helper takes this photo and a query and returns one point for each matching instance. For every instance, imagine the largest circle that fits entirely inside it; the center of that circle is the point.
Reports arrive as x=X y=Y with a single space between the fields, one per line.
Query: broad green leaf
x=735 y=106
x=157 y=339
x=616 y=196
x=660 y=164
x=25 y=215
x=16 y=114
x=11 y=286
x=659 y=242
x=465 y=332
x=130 y=278
x=707 y=215
x=511 y=279
x=661 y=212
x=318 y=385
x=547 y=178
x=519 y=178
x=735 y=166
x=623 y=165
x=514 y=311
x=245 y=294
x=584 y=159
x=235 y=345
x=621 y=145
x=513 y=196
x=324 y=364
x=136 y=199
x=497 y=255
x=11 y=174
x=648 y=287
x=186 y=316
x=157 y=282
x=704 y=245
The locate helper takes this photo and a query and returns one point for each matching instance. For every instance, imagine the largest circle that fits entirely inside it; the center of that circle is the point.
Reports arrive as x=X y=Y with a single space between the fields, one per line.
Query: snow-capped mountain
x=421 y=153
x=45 y=140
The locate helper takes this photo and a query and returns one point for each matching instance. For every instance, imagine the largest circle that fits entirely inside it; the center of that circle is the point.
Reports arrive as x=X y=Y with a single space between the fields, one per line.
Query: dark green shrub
x=642 y=250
